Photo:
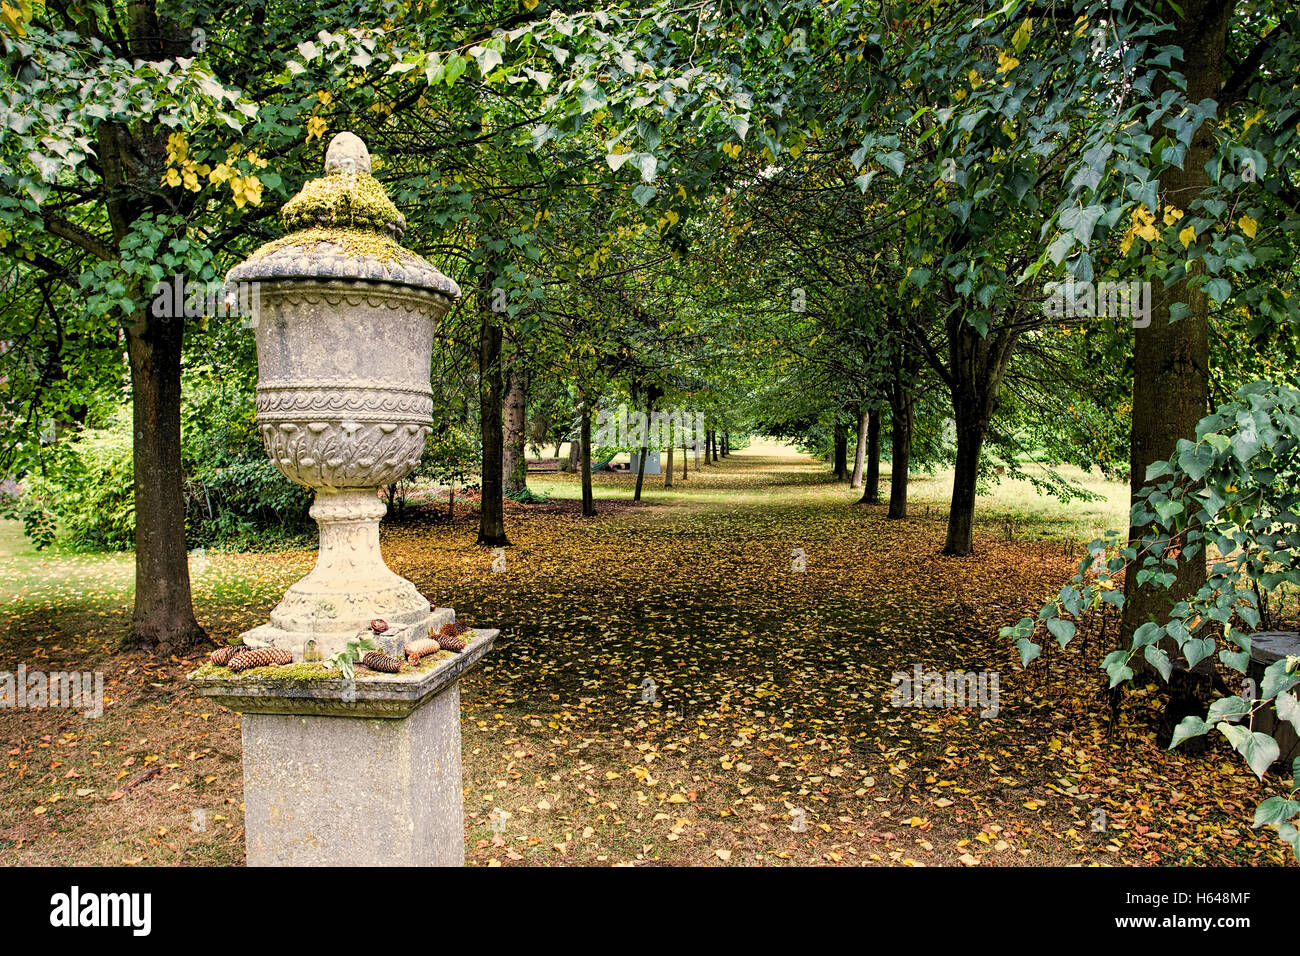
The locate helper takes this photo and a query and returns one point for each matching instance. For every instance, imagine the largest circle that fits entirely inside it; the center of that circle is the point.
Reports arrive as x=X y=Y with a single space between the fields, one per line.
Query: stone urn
x=344 y=320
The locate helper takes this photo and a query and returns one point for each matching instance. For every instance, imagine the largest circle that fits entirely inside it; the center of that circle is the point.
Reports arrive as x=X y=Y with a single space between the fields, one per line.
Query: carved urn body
x=344 y=328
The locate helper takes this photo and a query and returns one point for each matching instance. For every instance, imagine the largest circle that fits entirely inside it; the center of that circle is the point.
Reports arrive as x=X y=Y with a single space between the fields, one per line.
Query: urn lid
x=343 y=226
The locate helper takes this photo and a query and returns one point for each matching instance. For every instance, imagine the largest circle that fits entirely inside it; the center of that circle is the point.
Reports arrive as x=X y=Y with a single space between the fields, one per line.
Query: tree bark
x=491 y=527
x=588 y=502
x=841 y=450
x=668 y=472
x=640 y=464
x=163 y=618
x=515 y=459
x=977 y=364
x=871 y=493
x=860 y=454
x=900 y=427
x=1171 y=359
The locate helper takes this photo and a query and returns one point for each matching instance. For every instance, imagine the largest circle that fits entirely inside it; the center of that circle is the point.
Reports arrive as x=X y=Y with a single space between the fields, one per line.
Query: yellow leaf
x=723 y=855
x=1248 y=226
x=1187 y=237
x=14 y=18
x=531 y=4
x=1006 y=63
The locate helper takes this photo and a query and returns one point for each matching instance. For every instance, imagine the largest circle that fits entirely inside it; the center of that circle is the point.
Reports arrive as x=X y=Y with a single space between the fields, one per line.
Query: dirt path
x=771 y=736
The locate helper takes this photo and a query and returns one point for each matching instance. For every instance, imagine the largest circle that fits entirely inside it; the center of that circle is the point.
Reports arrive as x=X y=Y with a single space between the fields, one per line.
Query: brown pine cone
x=261 y=657
x=377 y=661
x=222 y=655
x=421 y=648
x=450 y=642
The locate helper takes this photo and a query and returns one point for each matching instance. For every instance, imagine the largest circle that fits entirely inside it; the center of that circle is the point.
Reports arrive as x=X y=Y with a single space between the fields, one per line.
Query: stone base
x=362 y=772
x=329 y=643
x=348 y=791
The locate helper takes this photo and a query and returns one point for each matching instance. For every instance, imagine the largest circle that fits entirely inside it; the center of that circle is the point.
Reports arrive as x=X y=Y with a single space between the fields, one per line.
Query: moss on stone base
x=344 y=200
x=297 y=672
x=353 y=243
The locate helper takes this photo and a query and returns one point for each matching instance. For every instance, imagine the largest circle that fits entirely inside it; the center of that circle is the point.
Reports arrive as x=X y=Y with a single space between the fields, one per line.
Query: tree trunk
x=668 y=472
x=163 y=618
x=841 y=451
x=1171 y=360
x=977 y=364
x=726 y=444
x=860 y=454
x=684 y=456
x=515 y=460
x=871 y=493
x=588 y=503
x=900 y=427
x=491 y=527
x=640 y=464
x=961 y=512
x=575 y=454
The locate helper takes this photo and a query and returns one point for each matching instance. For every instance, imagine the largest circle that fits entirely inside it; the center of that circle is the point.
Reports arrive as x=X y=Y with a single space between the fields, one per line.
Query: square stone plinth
x=352 y=773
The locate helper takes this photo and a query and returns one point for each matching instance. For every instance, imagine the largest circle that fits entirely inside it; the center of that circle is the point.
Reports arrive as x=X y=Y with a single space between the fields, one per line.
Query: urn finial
x=347 y=153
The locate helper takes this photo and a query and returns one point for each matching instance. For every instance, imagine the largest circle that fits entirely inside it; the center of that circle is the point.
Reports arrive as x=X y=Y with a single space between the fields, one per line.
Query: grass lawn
x=772 y=691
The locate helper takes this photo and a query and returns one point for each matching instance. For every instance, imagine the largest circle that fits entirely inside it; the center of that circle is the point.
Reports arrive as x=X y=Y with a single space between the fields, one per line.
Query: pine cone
x=377 y=661
x=421 y=648
x=450 y=642
x=261 y=657
x=222 y=655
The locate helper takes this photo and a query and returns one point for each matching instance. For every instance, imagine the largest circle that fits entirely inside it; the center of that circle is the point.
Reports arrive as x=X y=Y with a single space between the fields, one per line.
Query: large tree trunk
x=871 y=493
x=515 y=460
x=668 y=472
x=961 y=511
x=900 y=427
x=1171 y=360
x=684 y=455
x=163 y=618
x=584 y=441
x=491 y=526
x=977 y=365
x=860 y=453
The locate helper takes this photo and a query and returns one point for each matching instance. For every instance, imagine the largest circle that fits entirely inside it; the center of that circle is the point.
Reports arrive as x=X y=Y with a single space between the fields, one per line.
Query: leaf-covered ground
x=772 y=696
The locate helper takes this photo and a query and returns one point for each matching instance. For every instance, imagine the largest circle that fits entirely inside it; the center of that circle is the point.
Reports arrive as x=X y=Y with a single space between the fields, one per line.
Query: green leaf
x=1028 y=650
x=1190 y=726
x=455 y=66
x=1288 y=708
x=1158 y=659
x=1275 y=810
x=1061 y=629
x=1197 y=649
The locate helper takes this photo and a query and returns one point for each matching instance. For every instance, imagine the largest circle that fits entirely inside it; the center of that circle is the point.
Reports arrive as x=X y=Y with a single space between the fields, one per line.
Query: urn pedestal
x=346 y=769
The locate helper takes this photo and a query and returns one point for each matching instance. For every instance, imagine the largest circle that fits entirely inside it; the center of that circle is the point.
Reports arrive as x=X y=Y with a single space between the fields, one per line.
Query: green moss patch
x=346 y=200
x=354 y=243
